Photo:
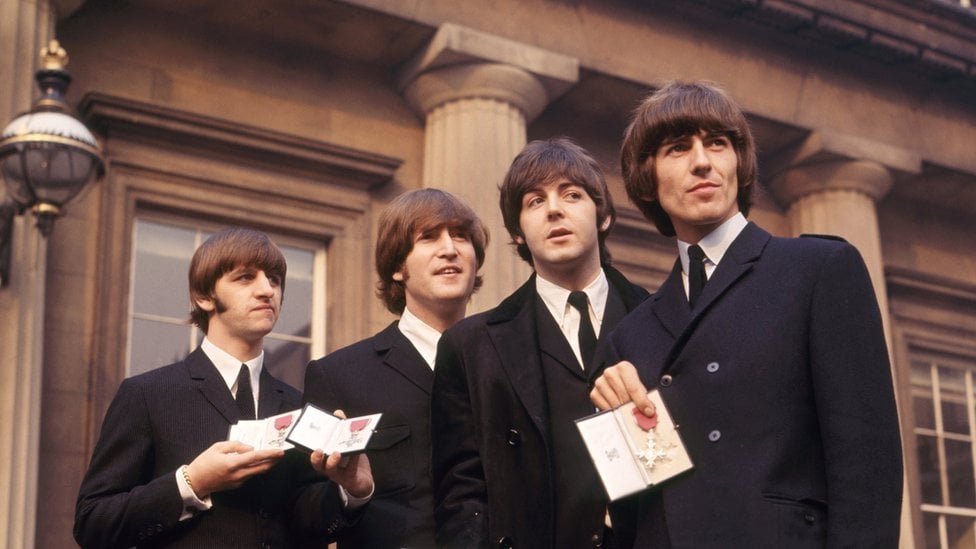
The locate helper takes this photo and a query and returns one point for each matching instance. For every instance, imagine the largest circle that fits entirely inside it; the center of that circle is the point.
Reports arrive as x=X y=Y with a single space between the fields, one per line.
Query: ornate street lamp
x=47 y=156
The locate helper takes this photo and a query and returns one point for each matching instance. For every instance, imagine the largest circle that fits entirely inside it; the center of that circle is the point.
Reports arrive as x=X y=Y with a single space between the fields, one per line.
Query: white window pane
x=162 y=256
x=156 y=344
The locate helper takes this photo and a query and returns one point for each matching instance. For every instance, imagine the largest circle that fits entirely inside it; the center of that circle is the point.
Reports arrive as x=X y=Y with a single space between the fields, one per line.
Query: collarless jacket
x=490 y=426
x=163 y=419
x=779 y=381
x=385 y=373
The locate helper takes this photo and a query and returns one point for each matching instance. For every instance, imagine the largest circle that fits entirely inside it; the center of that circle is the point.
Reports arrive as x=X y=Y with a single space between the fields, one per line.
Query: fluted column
x=25 y=27
x=476 y=93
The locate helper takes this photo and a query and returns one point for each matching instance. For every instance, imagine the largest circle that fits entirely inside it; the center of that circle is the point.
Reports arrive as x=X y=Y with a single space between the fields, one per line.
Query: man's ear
x=398 y=276
x=606 y=224
x=518 y=239
x=204 y=302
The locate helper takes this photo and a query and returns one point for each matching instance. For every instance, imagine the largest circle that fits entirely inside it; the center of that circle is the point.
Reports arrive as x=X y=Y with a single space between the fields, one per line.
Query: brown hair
x=676 y=110
x=408 y=214
x=223 y=252
x=543 y=162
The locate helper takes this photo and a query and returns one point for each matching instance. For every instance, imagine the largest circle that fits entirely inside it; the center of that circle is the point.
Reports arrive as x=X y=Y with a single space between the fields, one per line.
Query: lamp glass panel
x=58 y=172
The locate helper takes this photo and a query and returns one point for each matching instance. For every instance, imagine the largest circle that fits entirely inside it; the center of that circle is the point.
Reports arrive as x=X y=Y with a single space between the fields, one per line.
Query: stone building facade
x=305 y=117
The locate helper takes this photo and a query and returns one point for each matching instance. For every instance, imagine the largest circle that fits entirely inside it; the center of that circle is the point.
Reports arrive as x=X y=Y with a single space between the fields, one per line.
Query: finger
x=317 y=460
x=602 y=396
x=272 y=455
x=635 y=389
x=339 y=414
x=232 y=447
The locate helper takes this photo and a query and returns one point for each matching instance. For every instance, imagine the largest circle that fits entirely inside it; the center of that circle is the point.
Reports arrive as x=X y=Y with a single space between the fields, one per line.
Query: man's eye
x=719 y=142
x=535 y=201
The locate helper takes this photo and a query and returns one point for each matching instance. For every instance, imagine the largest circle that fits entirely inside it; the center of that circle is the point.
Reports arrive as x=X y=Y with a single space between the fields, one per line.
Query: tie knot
x=696 y=253
x=579 y=301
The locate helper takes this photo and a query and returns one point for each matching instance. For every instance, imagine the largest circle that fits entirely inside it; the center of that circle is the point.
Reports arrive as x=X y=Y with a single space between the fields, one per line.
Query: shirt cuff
x=191 y=503
x=352 y=502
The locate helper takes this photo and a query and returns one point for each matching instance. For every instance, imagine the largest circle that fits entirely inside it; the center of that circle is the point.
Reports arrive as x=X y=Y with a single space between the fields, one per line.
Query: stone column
x=477 y=92
x=25 y=27
x=830 y=184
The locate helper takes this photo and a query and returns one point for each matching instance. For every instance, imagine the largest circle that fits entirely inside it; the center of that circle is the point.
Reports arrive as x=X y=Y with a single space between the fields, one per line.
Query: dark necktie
x=245 y=396
x=587 y=337
x=696 y=273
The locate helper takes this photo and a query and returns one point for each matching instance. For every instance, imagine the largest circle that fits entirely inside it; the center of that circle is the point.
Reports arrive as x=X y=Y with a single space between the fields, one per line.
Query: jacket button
x=712 y=367
x=505 y=543
x=666 y=380
x=597 y=540
x=715 y=435
x=809 y=517
x=514 y=439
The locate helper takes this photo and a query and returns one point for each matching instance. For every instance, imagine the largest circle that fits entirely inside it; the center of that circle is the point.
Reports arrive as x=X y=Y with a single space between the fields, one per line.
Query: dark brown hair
x=409 y=214
x=543 y=162
x=680 y=109
x=223 y=252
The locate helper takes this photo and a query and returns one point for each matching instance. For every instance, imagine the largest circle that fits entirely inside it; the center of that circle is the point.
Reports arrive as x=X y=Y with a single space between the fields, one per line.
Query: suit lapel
x=400 y=355
x=512 y=330
x=205 y=377
x=670 y=304
x=552 y=341
x=737 y=262
x=271 y=395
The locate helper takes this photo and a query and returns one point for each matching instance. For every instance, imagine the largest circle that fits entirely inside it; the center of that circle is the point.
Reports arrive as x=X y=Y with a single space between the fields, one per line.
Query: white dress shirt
x=568 y=317
x=715 y=244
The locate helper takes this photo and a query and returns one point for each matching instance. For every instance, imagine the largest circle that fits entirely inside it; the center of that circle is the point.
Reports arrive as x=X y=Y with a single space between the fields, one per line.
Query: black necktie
x=245 y=396
x=696 y=273
x=587 y=337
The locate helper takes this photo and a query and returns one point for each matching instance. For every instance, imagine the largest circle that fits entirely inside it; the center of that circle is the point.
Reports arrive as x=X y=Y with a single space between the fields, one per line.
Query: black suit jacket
x=385 y=373
x=163 y=419
x=779 y=380
x=491 y=437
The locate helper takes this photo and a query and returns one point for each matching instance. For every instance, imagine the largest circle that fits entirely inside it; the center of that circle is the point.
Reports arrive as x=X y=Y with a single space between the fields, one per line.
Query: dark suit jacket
x=385 y=373
x=164 y=418
x=780 y=383
x=491 y=437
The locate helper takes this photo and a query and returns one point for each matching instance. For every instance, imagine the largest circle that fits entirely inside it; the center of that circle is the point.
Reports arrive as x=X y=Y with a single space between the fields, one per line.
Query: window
x=159 y=303
x=944 y=400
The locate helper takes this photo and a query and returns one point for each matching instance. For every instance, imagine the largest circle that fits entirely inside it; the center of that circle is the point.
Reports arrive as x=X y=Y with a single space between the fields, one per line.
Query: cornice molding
x=938 y=37
x=930 y=288
x=110 y=114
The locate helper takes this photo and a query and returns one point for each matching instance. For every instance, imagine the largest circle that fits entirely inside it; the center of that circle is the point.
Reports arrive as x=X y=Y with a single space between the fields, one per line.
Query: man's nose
x=264 y=284
x=446 y=242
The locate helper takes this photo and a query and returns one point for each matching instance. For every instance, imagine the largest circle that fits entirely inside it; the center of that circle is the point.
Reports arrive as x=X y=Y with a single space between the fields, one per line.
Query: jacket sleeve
x=855 y=405
x=460 y=493
x=119 y=504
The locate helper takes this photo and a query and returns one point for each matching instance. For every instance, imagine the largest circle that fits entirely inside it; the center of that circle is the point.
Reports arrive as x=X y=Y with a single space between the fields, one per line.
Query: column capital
x=863 y=176
x=829 y=160
x=460 y=62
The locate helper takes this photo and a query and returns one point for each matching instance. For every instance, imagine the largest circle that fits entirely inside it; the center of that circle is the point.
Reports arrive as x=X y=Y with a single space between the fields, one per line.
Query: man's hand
x=619 y=384
x=227 y=464
x=351 y=472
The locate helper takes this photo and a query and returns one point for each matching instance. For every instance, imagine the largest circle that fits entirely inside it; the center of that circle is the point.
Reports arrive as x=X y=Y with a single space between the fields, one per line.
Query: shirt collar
x=715 y=243
x=420 y=334
x=556 y=297
x=229 y=367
